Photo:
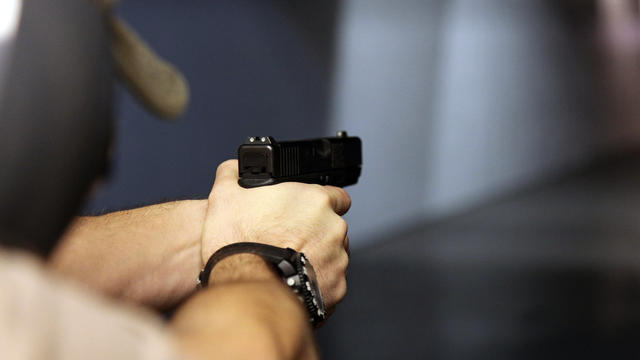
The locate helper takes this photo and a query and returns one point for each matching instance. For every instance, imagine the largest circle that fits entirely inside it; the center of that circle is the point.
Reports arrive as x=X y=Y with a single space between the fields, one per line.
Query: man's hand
x=248 y=313
x=304 y=217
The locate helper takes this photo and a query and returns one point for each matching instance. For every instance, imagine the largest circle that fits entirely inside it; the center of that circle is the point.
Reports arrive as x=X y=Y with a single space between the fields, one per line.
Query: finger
x=340 y=200
x=227 y=172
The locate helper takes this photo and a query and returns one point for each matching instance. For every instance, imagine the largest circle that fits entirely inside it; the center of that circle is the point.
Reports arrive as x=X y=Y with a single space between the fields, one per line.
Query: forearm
x=247 y=313
x=150 y=255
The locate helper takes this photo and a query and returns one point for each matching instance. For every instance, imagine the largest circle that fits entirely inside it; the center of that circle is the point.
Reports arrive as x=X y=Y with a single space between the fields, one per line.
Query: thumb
x=227 y=173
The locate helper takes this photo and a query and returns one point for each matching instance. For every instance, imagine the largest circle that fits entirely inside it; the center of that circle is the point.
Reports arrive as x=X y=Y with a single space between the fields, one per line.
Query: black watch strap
x=271 y=254
x=293 y=267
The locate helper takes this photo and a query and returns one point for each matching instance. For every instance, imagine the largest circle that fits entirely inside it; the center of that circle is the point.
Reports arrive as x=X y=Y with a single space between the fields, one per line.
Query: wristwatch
x=294 y=268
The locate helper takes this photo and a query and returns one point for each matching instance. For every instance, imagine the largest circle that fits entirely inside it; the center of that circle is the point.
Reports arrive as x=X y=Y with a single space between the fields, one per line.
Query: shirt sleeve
x=44 y=317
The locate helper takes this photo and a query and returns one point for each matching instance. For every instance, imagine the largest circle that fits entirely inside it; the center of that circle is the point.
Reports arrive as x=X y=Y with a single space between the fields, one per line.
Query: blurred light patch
x=9 y=18
x=619 y=42
x=620 y=21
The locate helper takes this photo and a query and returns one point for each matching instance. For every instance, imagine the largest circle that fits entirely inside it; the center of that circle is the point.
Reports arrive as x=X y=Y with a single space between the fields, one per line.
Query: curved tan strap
x=155 y=82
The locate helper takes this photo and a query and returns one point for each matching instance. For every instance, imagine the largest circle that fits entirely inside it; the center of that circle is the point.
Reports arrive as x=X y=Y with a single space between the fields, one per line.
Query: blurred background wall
x=461 y=101
x=457 y=102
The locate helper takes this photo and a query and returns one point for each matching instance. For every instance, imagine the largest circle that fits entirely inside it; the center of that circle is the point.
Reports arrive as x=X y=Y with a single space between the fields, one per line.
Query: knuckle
x=347 y=198
x=229 y=163
x=345 y=262
x=341 y=290
x=339 y=230
x=345 y=195
x=322 y=198
x=222 y=166
x=343 y=226
x=317 y=188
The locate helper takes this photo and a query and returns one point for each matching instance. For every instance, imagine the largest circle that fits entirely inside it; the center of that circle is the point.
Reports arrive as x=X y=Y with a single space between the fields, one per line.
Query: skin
x=304 y=217
x=148 y=256
x=152 y=256
x=247 y=313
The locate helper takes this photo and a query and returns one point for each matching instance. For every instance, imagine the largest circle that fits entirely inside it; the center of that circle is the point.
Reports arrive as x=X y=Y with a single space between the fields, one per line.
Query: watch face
x=314 y=283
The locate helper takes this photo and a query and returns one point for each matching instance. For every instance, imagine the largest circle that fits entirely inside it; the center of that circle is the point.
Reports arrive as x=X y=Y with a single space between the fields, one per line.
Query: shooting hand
x=304 y=217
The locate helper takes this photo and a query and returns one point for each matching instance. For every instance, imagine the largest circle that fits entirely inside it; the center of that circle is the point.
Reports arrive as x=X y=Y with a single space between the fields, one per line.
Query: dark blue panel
x=255 y=67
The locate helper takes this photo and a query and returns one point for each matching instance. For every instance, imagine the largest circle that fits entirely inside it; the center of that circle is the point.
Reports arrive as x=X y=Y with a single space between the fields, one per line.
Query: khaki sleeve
x=43 y=317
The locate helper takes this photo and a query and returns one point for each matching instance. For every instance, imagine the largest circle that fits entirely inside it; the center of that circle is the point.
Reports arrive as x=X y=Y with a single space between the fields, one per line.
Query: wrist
x=266 y=262
x=250 y=319
x=242 y=268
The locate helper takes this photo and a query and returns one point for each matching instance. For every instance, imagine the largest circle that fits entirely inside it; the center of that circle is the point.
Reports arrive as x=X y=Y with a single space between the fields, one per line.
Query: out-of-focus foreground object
x=9 y=18
x=55 y=114
x=156 y=83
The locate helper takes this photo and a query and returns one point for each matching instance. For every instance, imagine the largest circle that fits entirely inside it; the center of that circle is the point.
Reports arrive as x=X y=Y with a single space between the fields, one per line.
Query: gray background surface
x=456 y=101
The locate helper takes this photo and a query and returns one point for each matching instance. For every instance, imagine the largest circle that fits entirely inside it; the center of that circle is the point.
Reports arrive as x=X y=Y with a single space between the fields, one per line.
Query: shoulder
x=43 y=315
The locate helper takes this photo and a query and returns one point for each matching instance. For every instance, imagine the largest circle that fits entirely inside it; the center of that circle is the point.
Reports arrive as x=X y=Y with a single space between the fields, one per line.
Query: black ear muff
x=55 y=120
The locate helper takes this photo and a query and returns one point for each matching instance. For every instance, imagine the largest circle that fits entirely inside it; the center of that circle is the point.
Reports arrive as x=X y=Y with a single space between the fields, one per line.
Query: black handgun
x=333 y=161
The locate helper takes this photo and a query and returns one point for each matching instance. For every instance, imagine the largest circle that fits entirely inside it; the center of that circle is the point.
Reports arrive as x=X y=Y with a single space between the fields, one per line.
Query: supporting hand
x=304 y=217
